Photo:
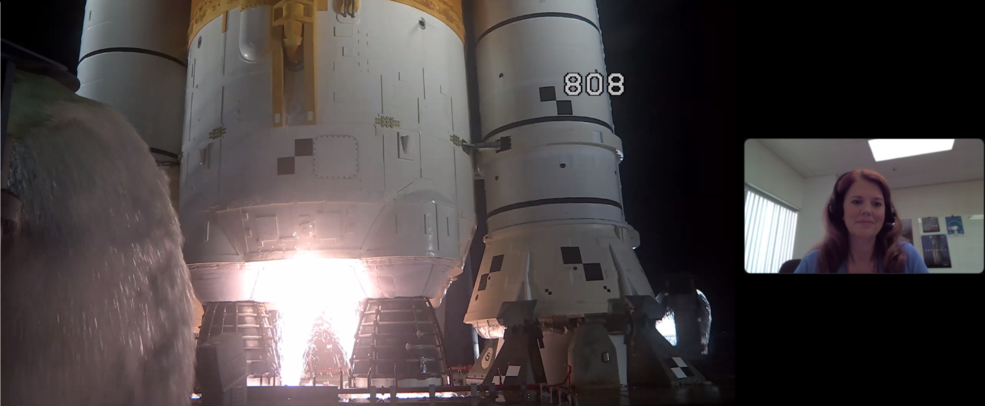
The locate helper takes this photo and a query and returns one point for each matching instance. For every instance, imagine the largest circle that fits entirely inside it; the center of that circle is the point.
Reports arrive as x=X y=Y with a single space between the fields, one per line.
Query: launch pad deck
x=689 y=395
x=719 y=390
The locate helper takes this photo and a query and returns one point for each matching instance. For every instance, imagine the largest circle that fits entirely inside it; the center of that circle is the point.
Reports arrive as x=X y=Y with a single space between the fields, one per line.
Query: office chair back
x=789 y=266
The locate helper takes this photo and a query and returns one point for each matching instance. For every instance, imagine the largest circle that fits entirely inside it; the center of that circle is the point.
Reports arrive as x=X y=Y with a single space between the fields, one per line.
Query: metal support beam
x=592 y=356
x=220 y=367
x=519 y=361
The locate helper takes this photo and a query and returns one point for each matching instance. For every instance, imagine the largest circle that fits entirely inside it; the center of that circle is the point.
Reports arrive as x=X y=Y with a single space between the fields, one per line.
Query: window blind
x=769 y=233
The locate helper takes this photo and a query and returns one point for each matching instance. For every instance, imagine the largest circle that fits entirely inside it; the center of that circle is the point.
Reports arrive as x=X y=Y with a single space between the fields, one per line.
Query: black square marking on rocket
x=564 y=108
x=497 y=264
x=571 y=255
x=547 y=94
x=593 y=272
x=304 y=147
x=285 y=166
x=482 y=282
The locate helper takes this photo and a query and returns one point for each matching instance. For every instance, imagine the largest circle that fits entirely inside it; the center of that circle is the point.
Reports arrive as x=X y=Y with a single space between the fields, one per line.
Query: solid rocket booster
x=557 y=233
x=132 y=57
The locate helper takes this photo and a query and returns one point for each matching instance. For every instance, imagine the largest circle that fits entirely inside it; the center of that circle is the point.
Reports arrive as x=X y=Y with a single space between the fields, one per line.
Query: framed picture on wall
x=935 y=251
x=930 y=225
x=908 y=230
x=954 y=225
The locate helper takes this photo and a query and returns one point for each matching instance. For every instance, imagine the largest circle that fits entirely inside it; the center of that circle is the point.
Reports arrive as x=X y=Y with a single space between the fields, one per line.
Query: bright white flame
x=260 y=381
x=384 y=394
x=667 y=328
x=305 y=288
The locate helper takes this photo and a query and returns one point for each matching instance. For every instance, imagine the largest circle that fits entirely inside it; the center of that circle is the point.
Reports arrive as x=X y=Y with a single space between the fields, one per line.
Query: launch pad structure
x=346 y=138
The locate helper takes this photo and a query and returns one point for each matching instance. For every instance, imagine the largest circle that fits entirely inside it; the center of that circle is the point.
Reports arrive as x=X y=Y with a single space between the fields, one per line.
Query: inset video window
x=864 y=206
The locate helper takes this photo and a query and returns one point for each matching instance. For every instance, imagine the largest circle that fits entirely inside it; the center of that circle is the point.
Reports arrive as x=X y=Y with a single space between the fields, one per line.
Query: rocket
x=340 y=131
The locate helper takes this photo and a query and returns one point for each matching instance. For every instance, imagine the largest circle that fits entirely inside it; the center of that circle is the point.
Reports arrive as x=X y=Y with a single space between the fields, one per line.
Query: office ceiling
x=819 y=157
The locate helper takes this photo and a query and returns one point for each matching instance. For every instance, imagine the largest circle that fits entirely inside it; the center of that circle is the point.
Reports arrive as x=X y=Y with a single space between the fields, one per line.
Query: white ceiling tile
x=914 y=180
x=801 y=169
x=815 y=142
x=970 y=147
x=936 y=162
x=969 y=152
x=789 y=157
x=818 y=157
x=968 y=160
x=963 y=173
x=837 y=159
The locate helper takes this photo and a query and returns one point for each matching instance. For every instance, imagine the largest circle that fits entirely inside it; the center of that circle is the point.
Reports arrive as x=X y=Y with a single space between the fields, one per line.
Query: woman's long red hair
x=834 y=249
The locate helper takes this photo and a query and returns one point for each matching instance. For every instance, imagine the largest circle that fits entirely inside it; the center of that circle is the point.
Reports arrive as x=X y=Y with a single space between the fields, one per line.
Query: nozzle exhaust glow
x=307 y=288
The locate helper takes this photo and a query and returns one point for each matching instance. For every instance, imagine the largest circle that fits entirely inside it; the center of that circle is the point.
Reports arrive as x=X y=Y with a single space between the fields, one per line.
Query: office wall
x=766 y=171
x=959 y=198
x=810 y=229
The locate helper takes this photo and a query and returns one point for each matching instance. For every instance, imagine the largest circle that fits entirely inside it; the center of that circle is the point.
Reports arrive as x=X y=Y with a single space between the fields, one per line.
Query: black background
x=676 y=119
x=677 y=123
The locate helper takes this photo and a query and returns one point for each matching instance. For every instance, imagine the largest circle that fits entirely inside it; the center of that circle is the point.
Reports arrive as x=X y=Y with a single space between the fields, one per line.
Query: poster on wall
x=954 y=225
x=935 y=252
x=908 y=230
x=930 y=225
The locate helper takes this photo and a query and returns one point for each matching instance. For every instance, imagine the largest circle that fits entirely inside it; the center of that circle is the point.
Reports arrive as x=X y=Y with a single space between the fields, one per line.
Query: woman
x=863 y=231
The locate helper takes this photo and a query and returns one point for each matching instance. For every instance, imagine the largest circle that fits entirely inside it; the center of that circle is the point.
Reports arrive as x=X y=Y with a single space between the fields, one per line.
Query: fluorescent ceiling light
x=884 y=150
x=977 y=217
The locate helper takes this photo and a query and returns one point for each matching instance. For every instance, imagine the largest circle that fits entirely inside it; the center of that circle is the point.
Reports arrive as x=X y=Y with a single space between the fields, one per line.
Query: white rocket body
x=398 y=198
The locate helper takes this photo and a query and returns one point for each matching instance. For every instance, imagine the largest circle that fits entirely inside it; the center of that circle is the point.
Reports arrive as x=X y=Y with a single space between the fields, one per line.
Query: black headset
x=834 y=202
